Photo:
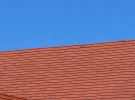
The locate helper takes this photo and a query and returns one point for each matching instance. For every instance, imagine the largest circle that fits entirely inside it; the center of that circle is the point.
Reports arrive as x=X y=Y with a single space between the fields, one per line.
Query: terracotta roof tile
x=98 y=71
x=9 y=97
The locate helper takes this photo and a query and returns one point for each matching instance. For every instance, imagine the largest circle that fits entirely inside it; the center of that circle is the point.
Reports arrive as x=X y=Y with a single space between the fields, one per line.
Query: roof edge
x=68 y=45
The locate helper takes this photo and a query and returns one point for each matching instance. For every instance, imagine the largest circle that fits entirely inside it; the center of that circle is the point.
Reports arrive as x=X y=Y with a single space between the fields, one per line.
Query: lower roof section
x=9 y=97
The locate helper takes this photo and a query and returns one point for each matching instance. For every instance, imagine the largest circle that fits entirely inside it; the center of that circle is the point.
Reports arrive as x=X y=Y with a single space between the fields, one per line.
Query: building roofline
x=72 y=45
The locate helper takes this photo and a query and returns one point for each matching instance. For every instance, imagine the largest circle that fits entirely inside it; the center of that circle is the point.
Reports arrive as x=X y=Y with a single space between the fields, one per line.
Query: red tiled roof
x=9 y=97
x=99 y=71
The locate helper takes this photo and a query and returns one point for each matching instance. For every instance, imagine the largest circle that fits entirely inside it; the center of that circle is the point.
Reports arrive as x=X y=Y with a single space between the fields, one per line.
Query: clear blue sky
x=41 y=23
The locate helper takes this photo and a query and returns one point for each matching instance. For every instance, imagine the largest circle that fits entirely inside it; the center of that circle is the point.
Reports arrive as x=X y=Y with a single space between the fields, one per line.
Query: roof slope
x=9 y=97
x=99 y=71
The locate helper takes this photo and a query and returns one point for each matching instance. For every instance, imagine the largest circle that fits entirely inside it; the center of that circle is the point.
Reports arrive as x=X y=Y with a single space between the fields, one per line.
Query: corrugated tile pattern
x=99 y=71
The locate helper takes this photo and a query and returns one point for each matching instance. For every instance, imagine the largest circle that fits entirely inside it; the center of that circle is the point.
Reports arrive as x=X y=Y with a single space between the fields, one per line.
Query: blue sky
x=41 y=23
